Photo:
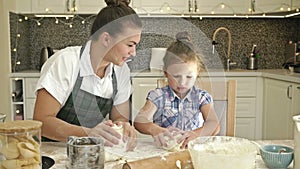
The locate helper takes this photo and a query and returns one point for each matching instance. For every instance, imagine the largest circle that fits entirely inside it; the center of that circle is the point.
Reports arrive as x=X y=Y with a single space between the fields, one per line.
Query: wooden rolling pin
x=163 y=162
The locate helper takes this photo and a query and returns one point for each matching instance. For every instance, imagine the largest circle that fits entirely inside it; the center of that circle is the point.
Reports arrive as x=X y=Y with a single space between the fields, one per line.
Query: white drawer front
x=246 y=87
x=30 y=85
x=245 y=107
x=245 y=128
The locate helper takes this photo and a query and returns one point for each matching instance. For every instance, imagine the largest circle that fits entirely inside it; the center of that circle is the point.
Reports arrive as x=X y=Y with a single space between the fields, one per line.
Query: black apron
x=85 y=109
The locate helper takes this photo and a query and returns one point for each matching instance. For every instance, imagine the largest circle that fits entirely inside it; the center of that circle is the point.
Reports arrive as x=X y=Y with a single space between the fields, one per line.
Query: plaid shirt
x=180 y=113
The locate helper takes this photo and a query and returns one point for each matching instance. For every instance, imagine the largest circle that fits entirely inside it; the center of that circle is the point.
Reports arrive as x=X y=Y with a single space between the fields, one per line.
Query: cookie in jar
x=20 y=144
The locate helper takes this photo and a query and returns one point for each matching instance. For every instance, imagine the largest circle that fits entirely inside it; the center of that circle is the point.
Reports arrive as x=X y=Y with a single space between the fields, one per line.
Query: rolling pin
x=175 y=160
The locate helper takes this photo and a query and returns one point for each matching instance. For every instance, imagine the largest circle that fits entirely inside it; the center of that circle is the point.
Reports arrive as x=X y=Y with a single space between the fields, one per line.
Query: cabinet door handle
x=68 y=5
x=289 y=92
x=74 y=8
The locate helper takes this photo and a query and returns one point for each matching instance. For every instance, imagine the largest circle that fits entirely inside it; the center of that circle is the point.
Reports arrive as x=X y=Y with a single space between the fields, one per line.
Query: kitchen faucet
x=228 y=61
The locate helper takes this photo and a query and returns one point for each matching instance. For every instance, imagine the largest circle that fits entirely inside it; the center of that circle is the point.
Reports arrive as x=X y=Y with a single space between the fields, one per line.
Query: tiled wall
x=270 y=36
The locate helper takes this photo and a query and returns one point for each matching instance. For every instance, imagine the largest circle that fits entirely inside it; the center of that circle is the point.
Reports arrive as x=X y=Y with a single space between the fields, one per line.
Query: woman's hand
x=129 y=135
x=105 y=130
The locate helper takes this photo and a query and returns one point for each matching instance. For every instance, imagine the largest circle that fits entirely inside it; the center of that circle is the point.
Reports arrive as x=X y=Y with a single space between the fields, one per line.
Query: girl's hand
x=186 y=137
x=129 y=135
x=162 y=136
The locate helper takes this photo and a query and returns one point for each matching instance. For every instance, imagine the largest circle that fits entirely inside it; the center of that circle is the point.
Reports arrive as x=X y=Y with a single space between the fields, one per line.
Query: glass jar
x=20 y=144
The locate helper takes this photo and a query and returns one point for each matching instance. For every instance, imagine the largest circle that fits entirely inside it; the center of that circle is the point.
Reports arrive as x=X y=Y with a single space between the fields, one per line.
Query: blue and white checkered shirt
x=180 y=113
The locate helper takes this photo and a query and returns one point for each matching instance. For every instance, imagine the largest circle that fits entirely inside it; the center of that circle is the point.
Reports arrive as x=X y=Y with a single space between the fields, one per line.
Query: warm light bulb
x=212 y=12
x=18 y=35
x=281 y=8
x=297 y=10
x=47 y=9
x=38 y=23
x=17 y=111
x=26 y=18
x=83 y=22
x=161 y=11
x=222 y=6
x=168 y=8
x=289 y=9
x=18 y=62
x=70 y=25
x=56 y=21
x=249 y=9
x=20 y=20
x=15 y=49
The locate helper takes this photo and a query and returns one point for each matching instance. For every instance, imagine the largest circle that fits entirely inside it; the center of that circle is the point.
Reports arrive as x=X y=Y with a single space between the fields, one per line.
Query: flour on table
x=144 y=149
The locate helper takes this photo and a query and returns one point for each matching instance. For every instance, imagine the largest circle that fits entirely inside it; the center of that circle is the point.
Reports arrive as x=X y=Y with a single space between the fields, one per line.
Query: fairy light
x=56 y=21
x=222 y=6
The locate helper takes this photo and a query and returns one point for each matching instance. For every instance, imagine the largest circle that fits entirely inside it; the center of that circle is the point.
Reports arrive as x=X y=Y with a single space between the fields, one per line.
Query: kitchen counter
x=279 y=74
x=57 y=151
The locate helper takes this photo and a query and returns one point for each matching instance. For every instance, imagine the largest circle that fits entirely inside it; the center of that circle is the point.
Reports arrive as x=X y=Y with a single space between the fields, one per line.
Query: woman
x=80 y=86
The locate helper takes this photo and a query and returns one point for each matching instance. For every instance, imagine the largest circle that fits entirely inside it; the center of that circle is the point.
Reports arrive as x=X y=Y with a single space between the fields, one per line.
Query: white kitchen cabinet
x=248 y=108
x=281 y=102
x=23 y=97
x=141 y=87
x=23 y=6
x=67 y=6
x=158 y=6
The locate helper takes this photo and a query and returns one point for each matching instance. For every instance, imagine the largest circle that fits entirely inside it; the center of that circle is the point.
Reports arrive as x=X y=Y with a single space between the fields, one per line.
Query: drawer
x=245 y=107
x=245 y=128
x=30 y=85
x=246 y=87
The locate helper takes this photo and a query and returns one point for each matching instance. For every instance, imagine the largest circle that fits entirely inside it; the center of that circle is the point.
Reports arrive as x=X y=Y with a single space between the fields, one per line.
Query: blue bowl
x=277 y=156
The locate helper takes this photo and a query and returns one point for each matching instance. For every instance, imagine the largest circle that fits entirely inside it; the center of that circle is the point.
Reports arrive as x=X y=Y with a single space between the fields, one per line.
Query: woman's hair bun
x=117 y=2
x=183 y=36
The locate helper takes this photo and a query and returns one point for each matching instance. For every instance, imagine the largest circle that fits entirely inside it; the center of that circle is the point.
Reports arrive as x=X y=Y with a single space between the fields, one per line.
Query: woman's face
x=181 y=77
x=124 y=48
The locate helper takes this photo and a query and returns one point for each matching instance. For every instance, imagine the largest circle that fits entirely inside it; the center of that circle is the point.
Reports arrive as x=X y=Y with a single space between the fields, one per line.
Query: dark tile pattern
x=270 y=36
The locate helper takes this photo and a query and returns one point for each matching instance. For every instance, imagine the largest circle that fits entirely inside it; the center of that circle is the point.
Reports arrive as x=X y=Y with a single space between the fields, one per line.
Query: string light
x=39 y=21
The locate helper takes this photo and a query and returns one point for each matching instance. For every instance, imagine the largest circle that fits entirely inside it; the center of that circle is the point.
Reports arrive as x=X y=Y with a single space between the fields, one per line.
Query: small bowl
x=277 y=156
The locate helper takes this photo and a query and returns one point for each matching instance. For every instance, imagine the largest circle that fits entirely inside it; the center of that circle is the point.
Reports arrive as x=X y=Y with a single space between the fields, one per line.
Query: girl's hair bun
x=117 y=2
x=183 y=36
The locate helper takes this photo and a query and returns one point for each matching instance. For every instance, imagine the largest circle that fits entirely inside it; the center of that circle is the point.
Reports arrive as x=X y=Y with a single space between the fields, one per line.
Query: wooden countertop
x=57 y=151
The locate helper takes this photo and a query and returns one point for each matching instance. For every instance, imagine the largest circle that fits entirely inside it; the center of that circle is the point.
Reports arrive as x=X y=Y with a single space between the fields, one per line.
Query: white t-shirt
x=59 y=74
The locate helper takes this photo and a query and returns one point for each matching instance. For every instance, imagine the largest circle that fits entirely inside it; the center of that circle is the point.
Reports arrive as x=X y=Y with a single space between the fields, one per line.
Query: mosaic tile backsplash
x=270 y=36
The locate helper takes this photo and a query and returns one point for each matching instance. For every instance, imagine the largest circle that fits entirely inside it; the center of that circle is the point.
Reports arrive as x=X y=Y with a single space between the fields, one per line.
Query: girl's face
x=123 y=49
x=181 y=77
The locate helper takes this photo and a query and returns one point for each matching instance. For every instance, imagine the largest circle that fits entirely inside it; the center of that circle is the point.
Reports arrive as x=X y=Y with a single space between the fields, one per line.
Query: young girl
x=179 y=106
